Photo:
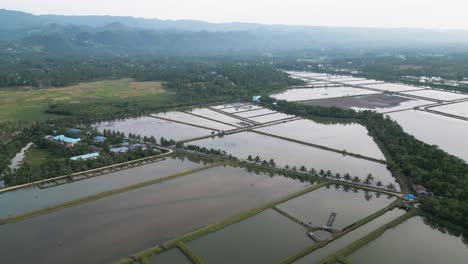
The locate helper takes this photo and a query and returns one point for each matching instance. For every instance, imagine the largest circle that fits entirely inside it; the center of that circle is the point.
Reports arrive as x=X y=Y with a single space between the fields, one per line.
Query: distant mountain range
x=55 y=34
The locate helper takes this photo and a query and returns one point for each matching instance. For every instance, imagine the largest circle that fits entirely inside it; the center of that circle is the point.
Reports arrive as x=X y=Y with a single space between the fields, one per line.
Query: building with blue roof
x=408 y=196
x=256 y=99
x=120 y=150
x=99 y=139
x=66 y=140
x=86 y=156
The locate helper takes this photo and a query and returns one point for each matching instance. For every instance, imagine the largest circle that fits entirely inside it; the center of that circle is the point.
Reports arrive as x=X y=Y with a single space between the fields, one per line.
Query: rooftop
x=67 y=139
x=86 y=156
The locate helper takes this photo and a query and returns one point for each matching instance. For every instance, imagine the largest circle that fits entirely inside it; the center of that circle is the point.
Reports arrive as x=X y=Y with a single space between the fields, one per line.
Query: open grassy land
x=36 y=156
x=29 y=104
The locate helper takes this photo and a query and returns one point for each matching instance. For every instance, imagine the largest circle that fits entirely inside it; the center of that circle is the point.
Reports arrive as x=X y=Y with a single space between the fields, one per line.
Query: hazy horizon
x=425 y=14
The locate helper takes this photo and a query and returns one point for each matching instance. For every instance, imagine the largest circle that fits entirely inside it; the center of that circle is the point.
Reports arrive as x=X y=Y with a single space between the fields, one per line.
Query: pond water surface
x=413 y=241
x=120 y=225
x=265 y=238
x=350 y=205
x=171 y=256
x=33 y=198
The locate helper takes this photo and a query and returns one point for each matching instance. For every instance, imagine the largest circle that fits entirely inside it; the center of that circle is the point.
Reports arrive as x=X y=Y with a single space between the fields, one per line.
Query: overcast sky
x=356 y=13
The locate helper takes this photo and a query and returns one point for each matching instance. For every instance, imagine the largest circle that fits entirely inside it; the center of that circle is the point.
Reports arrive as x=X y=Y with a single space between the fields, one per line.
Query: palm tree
x=303 y=168
x=257 y=159
x=313 y=172
x=286 y=167
x=391 y=187
x=356 y=179
x=370 y=178
x=379 y=183
x=347 y=177
x=249 y=158
x=329 y=174
x=322 y=173
x=272 y=163
x=338 y=176
x=294 y=168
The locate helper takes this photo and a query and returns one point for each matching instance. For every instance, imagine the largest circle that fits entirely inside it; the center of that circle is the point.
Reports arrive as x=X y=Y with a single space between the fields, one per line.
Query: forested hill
x=23 y=33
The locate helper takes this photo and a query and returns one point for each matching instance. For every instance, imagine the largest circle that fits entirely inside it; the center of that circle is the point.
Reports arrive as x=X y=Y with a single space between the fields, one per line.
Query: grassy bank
x=27 y=103
x=366 y=239
x=100 y=195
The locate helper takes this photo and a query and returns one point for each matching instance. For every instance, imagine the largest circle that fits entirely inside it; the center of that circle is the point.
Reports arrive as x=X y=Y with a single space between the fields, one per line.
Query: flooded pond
x=256 y=112
x=195 y=120
x=150 y=126
x=292 y=95
x=120 y=225
x=381 y=103
x=342 y=242
x=459 y=109
x=351 y=137
x=243 y=144
x=217 y=116
x=171 y=256
x=438 y=95
x=19 y=157
x=445 y=132
x=33 y=198
x=349 y=204
x=394 y=87
x=266 y=238
x=414 y=241
x=270 y=118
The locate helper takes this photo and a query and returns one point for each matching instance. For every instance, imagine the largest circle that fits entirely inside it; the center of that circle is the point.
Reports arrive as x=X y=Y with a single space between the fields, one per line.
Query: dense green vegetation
x=420 y=163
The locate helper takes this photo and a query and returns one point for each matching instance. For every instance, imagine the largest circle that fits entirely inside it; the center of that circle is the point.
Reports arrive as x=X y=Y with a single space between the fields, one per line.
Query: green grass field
x=29 y=104
x=35 y=157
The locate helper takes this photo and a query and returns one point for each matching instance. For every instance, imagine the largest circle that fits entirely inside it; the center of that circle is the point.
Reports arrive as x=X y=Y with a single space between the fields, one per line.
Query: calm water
x=351 y=137
x=265 y=238
x=150 y=126
x=416 y=242
x=320 y=93
x=270 y=118
x=447 y=133
x=172 y=256
x=33 y=198
x=342 y=242
x=349 y=204
x=191 y=119
x=284 y=152
x=216 y=116
x=118 y=226
x=438 y=95
x=394 y=87
x=255 y=113
x=460 y=109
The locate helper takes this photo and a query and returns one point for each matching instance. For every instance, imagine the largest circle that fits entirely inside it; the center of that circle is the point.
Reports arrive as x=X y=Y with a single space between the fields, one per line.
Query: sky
x=434 y=14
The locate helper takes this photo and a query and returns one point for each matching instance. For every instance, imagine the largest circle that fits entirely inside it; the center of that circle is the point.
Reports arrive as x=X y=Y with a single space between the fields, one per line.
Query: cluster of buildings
x=122 y=148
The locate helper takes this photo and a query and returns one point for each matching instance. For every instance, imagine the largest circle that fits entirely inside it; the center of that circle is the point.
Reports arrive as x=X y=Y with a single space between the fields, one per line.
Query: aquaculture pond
x=270 y=118
x=256 y=112
x=414 y=241
x=284 y=152
x=438 y=95
x=381 y=103
x=447 y=133
x=459 y=109
x=349 y=204
x=351 y=137
x=205 y=112
x=194 y=120
x=293 y=95
x=265 y=238
x=342 y=242
x=120 y=225
x=33 y=198
x=151 y=126
x=394 y=87
x=171 y=256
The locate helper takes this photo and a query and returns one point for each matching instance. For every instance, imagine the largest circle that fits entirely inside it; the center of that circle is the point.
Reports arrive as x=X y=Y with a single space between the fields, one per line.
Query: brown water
x=118 y=226
x=350 y=205
x=414 y=241
x=285 y=152
x=33 y=198
x=150 y=126
x=351 y=137
x=266 y=238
